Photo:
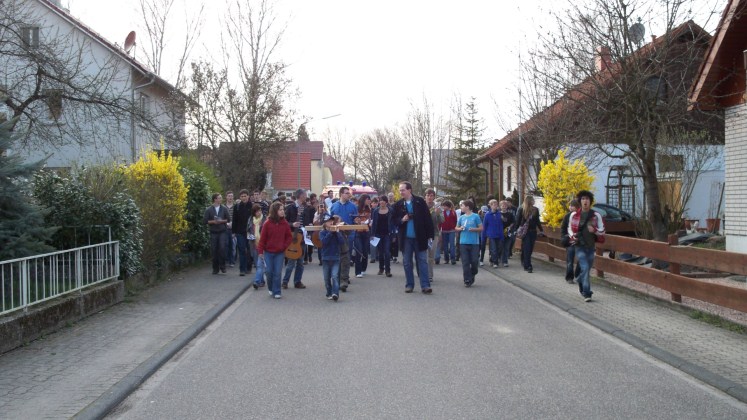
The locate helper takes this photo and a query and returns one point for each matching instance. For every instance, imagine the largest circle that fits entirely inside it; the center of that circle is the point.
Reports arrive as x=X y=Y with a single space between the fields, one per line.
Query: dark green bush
x=198 y=198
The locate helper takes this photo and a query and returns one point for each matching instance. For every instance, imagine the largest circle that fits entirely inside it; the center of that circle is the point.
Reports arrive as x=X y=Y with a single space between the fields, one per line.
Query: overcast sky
x=368 y=60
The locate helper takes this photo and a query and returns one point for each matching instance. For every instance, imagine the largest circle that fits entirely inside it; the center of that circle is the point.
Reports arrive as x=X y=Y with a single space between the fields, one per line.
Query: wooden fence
x=672 y=281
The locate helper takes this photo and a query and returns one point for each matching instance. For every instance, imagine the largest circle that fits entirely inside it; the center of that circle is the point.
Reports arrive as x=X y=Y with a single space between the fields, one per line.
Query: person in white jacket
x=585 y=229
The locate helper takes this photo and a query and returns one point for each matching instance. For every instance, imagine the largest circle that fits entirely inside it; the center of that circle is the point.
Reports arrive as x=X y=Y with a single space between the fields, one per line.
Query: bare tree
x=240 y=108
x=611 y=89
x=421 y=131
x=336 y=143
x=377 y=152
x=156 y=16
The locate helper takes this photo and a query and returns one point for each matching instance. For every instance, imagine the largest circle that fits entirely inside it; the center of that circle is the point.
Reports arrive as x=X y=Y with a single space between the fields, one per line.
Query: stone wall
x=23 y=326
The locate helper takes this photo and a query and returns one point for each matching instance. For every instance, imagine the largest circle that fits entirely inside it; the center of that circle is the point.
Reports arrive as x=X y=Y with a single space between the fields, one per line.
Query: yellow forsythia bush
x=559 y=181
x=159 y=191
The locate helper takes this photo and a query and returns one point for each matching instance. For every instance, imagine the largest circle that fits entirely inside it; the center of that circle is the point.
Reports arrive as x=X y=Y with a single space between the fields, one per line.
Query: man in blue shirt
x=413 y=217
x=347 y=211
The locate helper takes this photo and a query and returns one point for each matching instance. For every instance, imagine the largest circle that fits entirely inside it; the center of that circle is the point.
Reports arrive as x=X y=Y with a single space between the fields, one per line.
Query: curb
x=118 y=392
x=704 y=375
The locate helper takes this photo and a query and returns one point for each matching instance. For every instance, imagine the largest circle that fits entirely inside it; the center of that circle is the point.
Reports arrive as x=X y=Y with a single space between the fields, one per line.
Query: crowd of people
x=271 y=236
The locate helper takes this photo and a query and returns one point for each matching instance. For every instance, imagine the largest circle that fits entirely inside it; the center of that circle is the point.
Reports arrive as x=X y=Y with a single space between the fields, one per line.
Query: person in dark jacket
x=529 y=214
x=570 y=251
x=217 y=217
x=492 y=232
x=241 y=215
x=294 y=214
x=308 y=219
x=412 y=216
x=332 y=240
x=507 y=218
x=382 y=227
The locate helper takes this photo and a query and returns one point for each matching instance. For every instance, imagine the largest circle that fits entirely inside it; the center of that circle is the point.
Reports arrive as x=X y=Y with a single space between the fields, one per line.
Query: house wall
x=317 y=176
x=735 y=197
x=80 y=136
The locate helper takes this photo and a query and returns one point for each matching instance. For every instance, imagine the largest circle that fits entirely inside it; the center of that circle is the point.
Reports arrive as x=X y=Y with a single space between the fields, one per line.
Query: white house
x=721 y=85
x=688 y=171
x=77 y=97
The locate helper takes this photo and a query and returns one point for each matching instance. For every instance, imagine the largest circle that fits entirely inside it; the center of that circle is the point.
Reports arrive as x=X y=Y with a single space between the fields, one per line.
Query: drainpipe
x=132 y=114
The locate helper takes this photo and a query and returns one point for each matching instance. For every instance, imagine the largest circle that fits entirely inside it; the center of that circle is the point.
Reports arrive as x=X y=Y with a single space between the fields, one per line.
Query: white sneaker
x=481 y=264
x=359 y=275
x=277 y=296
x=329 y=297
x=270 y=292
x=493 y=266
x=363 y=273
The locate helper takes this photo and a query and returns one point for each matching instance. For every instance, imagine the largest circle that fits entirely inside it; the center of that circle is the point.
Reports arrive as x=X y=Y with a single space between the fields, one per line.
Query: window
x=54 y=102
x=671 y=163
x=508 y=178
x=144 y=103
x=30 y=36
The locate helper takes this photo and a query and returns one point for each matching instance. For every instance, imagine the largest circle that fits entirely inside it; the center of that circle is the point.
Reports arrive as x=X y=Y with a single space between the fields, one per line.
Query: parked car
x=612 y=213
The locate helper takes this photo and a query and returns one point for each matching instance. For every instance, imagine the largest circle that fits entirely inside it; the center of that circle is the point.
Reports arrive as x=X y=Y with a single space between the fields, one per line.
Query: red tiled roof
x=581 y=92
x=314 y=148
x=721 y=77
x=335 y=168
x=285 y=171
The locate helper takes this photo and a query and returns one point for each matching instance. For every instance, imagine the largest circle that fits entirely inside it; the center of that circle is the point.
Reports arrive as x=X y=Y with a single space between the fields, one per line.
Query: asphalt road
x=490 y=351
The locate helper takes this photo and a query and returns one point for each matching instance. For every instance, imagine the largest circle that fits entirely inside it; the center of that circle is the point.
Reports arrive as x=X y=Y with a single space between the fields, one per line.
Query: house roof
x=314 y=148
x=115 y=49
x=335 y=168
x=581 y=92
x=287 y=174
x=721 y=78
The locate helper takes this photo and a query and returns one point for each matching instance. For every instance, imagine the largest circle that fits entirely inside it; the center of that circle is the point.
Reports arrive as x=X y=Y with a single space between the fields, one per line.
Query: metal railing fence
x=35 y=279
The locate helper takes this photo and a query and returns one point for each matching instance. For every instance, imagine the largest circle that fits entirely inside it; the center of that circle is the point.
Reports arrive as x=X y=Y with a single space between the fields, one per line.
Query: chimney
x=602 y=59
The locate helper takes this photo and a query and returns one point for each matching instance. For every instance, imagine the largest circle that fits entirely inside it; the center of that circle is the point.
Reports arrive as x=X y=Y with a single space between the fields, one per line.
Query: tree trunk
x=651 y=186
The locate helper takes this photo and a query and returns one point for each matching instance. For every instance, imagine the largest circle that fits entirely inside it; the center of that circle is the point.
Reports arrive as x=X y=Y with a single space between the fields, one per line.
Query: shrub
x=198 y=199
x=81 y=207
x=159 y=191
x=189 y=160
x=559 y=181
x=22 y=231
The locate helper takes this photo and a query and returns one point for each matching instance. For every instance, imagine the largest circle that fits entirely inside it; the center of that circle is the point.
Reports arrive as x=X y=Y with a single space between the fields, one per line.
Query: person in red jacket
x=448 y=233
x=275 y=238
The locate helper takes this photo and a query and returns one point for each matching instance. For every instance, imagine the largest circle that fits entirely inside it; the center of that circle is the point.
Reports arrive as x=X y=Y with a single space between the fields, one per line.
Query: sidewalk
x=713 y=355
x=58 y=376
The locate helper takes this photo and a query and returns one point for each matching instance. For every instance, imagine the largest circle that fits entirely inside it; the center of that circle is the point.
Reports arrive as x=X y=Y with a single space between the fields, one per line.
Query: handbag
x=521 y=232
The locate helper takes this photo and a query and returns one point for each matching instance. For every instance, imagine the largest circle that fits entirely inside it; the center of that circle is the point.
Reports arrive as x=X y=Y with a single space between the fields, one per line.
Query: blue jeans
x=585 y=261
x=331 y=272
x=495 y=250
x=362 y=247
x=570 y=254
x=259 y=278
x=470 y=254
x=410 y=250
x=527 y=247
x=241 y=243
x=218 y=249
x=384 y=253
x=447 y=241
x=298 y=265
x=505 y=250
x=274 y=266
x=230 y=251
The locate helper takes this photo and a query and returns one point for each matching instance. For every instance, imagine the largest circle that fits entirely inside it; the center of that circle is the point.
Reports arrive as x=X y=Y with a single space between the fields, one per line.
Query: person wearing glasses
x=412 y=216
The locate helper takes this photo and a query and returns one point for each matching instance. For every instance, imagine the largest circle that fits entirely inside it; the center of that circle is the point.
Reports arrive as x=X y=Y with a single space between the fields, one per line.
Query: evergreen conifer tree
x=463 y=176
x=22 y=228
